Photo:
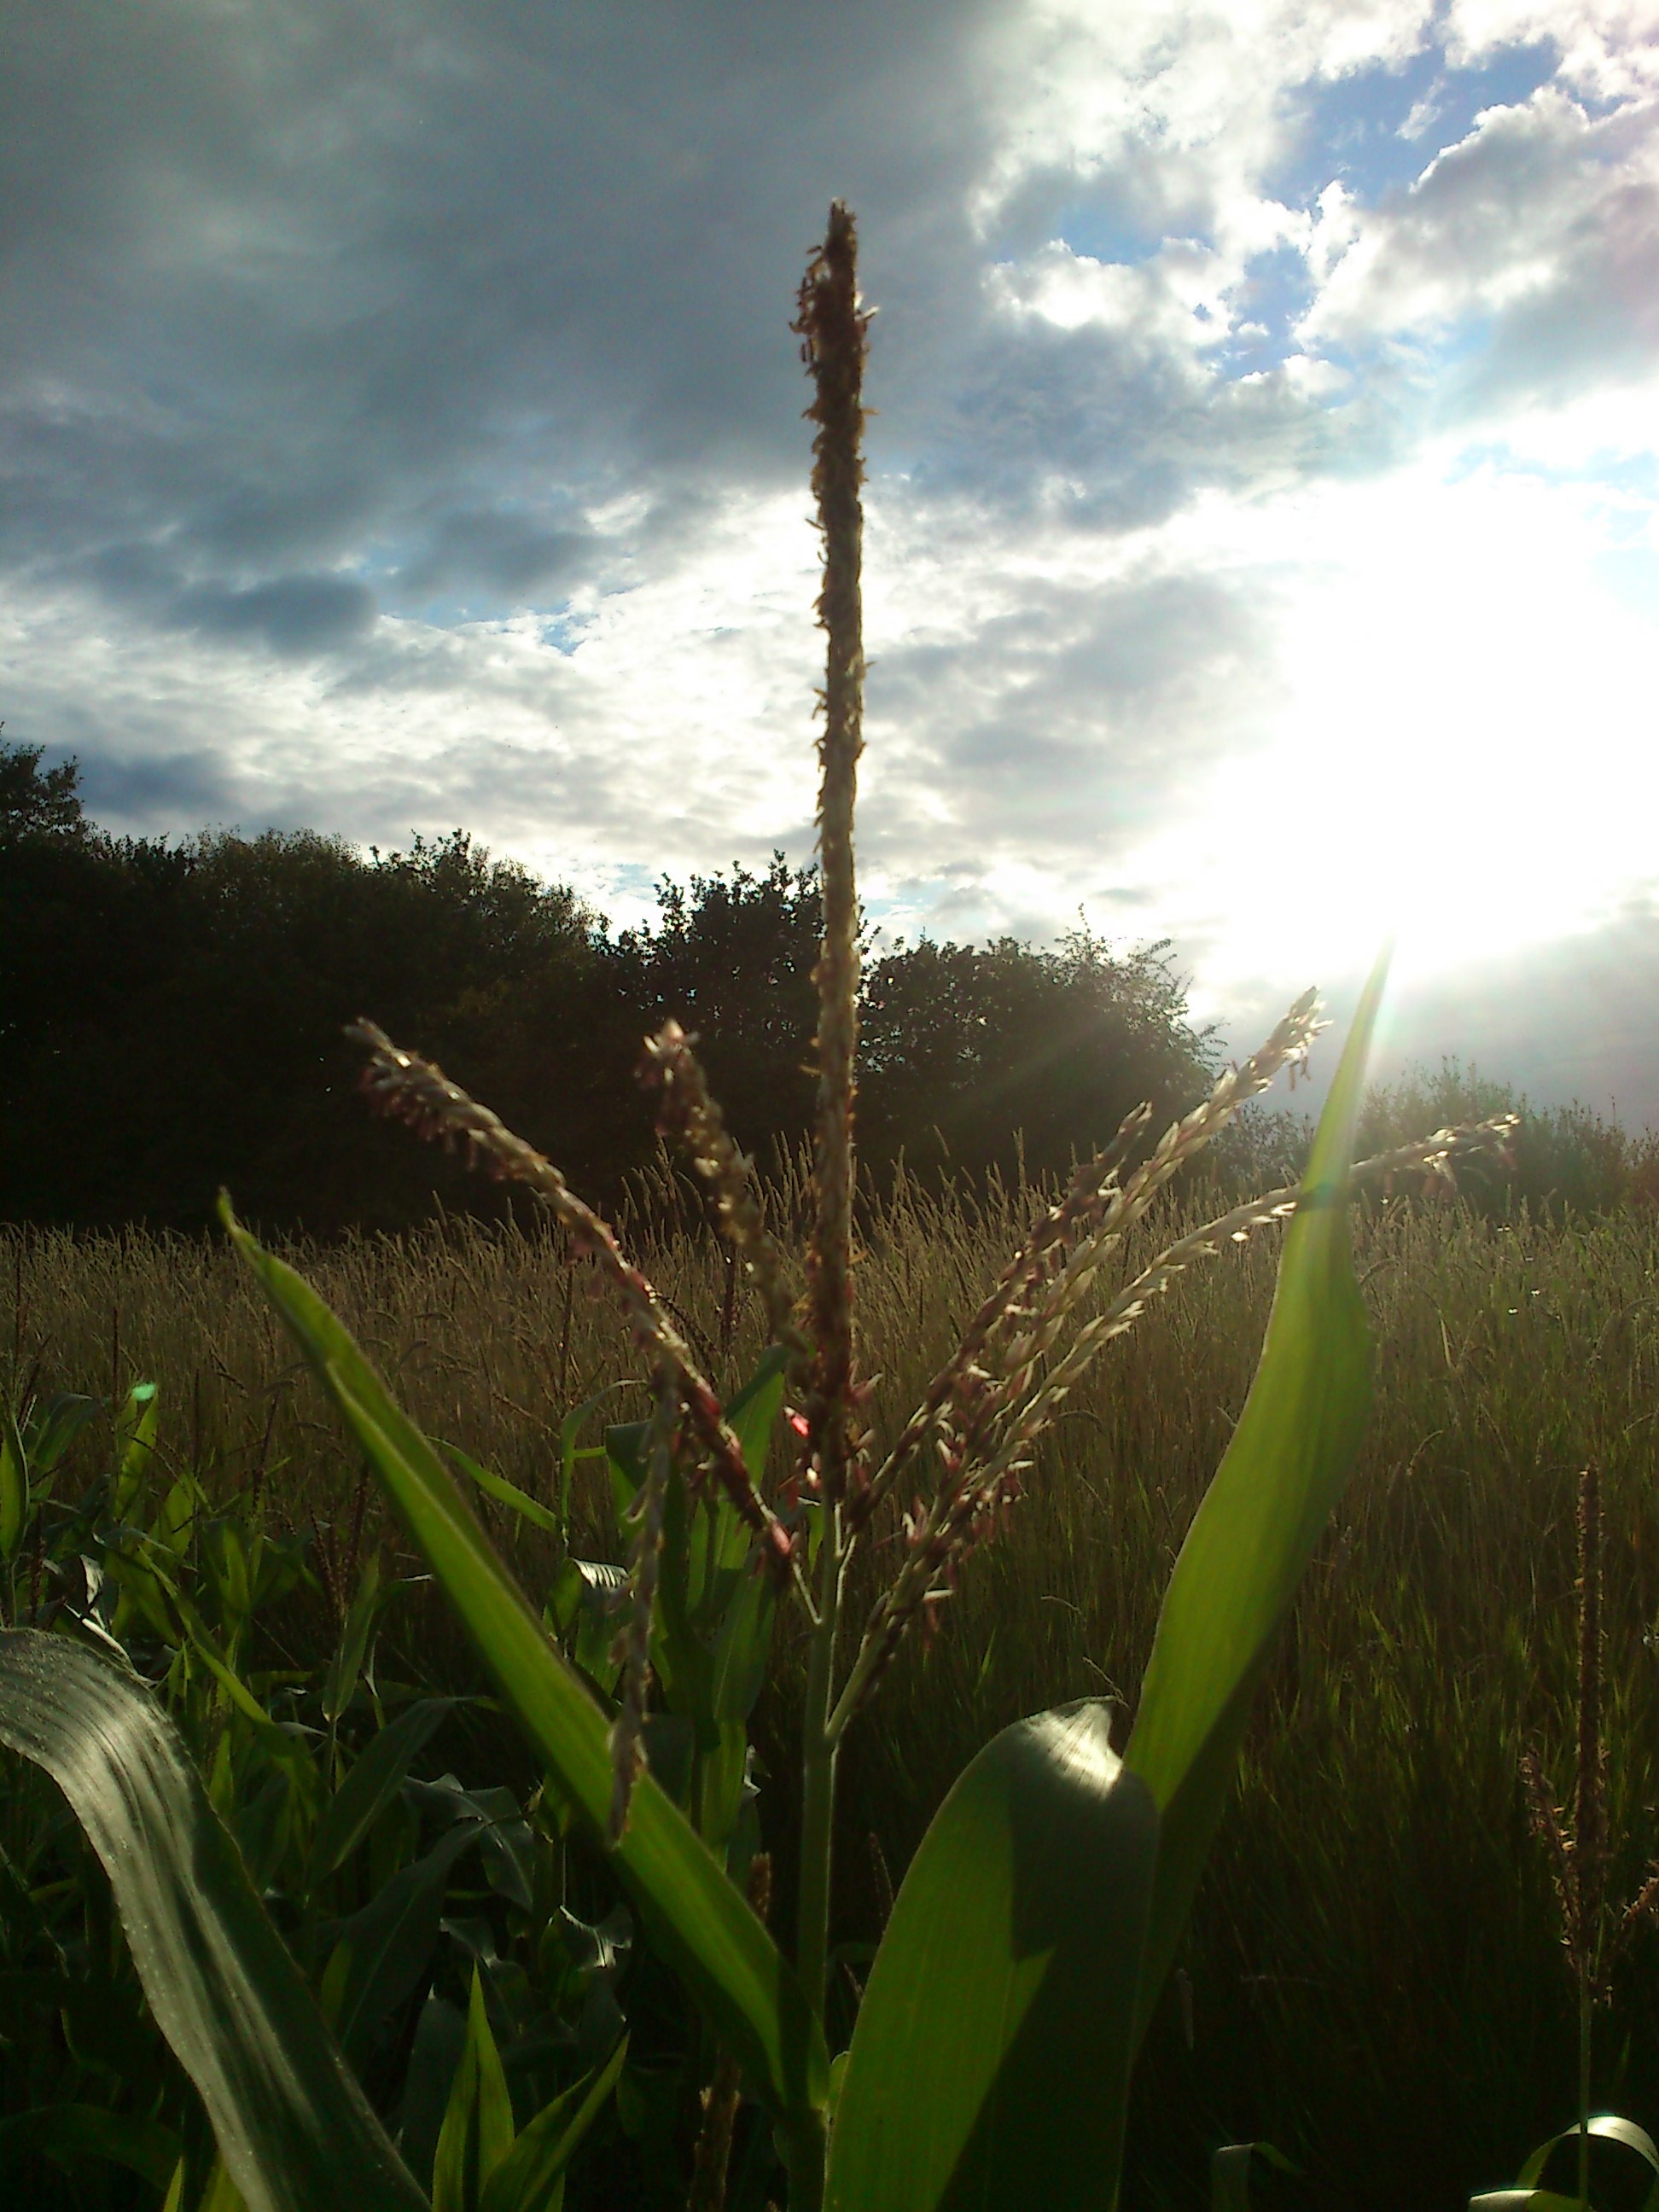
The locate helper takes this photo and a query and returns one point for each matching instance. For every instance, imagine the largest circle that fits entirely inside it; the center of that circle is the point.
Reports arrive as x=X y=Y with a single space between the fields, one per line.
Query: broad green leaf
x=292 y=2124
x=1263 y=1513
x=51 y=1432
x=134 y=1441
x=1230 y=2174
x=584 y=1592
x=478 y=2130
x=503 y=1832
x=529 y=2178
x=697 y=1918
x=340 y=1684
x=67 y=2132
x=570 y=1451
x=14 y=1487
x=221 y=2194
x=1525 y=2200
x=390 y=1941
x=373 y=1784
x=1605 y=2127
x=753 y=1412
x=231 y=1572
x=507 y=1494
x=744 y=1647
x=990 y=2064
x=175 y=1520
x=1529 y=2194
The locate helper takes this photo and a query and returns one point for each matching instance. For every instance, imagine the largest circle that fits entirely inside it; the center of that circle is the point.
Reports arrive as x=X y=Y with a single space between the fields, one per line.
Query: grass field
x=1374 y=1980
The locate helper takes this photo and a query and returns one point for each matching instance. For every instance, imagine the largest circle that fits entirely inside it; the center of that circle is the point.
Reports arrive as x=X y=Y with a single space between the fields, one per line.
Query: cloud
x=157 y=791
x=292 y=615
x=399 y=423
x=1538 y=233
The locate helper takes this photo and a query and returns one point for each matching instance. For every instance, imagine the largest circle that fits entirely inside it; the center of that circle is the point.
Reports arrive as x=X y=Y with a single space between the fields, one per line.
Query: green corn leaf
x=53 y=1433
x=1525 y=2200
x=292 y=2124
x=134 y=1441
x=13 y=1488
x=388 y=1944
x=990 y=2063
x=1604 y=2127
x=530 y=2177
x=373 y=1784
x=1230 y=2174
x=570 y=1450
x=1264 y=1511
x=67 y=2132
x=478 y=2130
x=340 y=1684
x=583 y=1593
x=507 y=1494
x=696 y=1917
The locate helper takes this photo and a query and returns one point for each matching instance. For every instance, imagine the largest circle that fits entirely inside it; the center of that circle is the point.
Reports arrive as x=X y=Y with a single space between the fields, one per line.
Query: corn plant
x=991 y=2056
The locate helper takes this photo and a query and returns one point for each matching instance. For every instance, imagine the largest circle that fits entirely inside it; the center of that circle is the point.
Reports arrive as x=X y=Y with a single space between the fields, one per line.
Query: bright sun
x=1468 y=753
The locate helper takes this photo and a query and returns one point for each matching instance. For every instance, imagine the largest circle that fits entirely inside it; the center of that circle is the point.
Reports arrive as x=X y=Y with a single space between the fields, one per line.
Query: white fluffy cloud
x=399 y=427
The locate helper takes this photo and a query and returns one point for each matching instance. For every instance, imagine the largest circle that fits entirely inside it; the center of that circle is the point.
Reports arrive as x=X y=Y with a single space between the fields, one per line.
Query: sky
x=400 y=429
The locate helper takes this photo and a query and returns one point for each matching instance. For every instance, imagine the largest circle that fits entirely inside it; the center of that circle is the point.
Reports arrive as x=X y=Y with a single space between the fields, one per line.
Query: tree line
x=171 y=1018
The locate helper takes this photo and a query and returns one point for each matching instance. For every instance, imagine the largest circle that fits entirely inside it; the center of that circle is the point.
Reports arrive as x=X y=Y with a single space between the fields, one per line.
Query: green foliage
x=289 y=2119
x=305 y=1777
x=36 y=802
x=126 y=954
x=1007 y=1058
x=1567 y=1162
x=990 y=2062
x=1252 y=1537
x=694 y=1914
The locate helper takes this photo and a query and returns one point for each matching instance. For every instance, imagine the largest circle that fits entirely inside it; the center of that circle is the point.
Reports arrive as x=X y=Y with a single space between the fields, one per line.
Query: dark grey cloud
x=287 y=288
x=287 y=283
x=292 y=615
x=1078 y=719
x=156 y=791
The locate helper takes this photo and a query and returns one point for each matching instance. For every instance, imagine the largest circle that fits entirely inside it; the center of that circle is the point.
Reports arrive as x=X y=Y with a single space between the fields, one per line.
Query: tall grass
x=1373 y=1979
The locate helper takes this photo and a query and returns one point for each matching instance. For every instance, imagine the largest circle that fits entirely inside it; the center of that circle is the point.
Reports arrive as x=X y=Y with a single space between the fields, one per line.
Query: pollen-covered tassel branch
x=1052 y=1236
x=986 y=1438
x=692 y=1116
x=632 y=1649
x=1043 y=1283
x=834 y=329
x=412 y=1089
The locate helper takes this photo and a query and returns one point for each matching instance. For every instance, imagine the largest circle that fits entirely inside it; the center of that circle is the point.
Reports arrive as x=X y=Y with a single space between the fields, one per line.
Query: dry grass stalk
x=1579 y=1849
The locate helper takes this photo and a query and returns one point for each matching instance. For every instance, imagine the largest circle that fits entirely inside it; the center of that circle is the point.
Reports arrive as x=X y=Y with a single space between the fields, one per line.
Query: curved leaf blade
x=527 y=2178
x=69 y=2132
x=292 y=2125
x=990 y=2063
x=697 y=1918
x=476 y=2133
x=373 y=1784
x=1264 y=1511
